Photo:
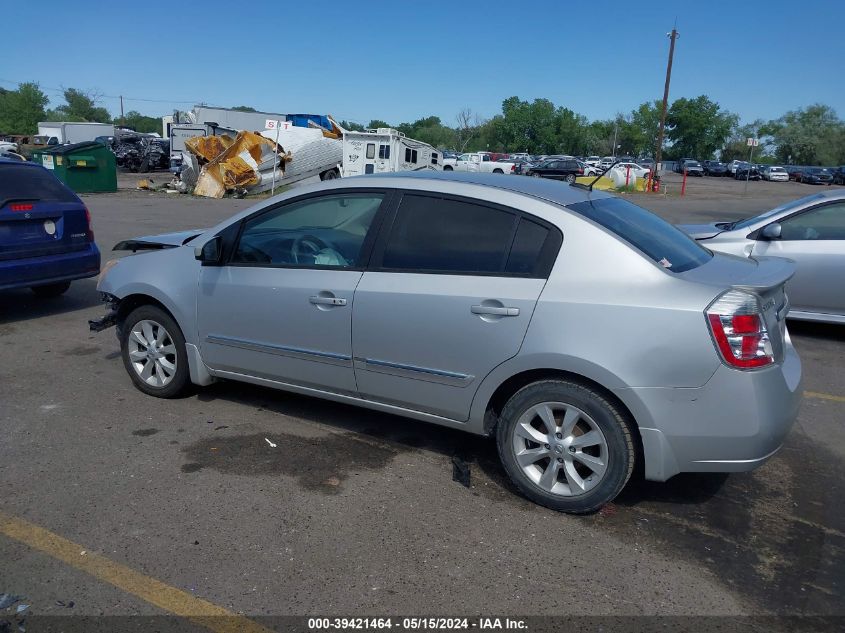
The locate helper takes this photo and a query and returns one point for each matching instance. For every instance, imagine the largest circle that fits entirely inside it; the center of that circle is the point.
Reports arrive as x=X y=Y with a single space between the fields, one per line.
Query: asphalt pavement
x=354 y=512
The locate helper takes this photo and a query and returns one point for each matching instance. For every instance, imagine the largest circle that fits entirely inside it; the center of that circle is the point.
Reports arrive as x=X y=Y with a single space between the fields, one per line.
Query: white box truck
x=69 y=132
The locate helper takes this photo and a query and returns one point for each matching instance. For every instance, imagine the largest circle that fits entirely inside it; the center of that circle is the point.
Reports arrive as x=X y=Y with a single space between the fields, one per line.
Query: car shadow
x=461 y=448
x=813 y=329
x=22 y=305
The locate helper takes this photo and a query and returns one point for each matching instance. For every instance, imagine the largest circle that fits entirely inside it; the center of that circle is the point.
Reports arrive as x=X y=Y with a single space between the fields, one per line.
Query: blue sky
x=400 y=61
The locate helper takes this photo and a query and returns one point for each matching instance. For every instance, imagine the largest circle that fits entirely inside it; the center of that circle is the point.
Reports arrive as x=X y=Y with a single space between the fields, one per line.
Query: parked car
x=714 y=168
x=839 y=175
x=732 y=167
x=692 y=168
x=648 y=163
x=637 y=170
x=46 y=239
x=811 y=232
x=815 y=176
x=774 y=173
x=794 y=172
x=481 y=162
x=558 y=169
x=454 y=299
x=592 y=161
x=746 y=171
x=606 y=162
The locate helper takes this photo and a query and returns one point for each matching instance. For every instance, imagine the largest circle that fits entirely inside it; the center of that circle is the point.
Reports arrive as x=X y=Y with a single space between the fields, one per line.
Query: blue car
x=46 y=239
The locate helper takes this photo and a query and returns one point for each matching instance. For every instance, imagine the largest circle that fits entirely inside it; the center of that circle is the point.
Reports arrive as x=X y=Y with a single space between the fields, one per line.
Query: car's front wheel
x=565 y=446
x=153 y=350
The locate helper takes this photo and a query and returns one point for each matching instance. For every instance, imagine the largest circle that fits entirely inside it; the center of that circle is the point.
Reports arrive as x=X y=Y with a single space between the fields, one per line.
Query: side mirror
x=211 y=252
x=772 y=231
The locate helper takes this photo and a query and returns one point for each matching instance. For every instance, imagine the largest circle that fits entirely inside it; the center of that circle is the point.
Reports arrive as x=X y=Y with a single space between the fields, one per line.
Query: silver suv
x=584 y=333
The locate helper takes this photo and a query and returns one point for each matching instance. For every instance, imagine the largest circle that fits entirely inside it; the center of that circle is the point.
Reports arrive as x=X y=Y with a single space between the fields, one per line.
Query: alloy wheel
x=560 y=449
x=152 y=353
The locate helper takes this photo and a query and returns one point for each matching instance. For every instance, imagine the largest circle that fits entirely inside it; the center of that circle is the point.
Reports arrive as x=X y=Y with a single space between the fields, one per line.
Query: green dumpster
x=84 y=167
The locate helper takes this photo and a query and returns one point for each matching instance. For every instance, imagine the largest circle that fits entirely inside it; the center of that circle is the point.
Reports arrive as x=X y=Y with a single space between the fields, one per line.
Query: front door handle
x=498 y=311
x=327 y=301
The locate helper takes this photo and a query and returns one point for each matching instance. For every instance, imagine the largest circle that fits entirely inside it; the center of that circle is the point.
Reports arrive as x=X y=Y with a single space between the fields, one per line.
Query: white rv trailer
x=385 y=150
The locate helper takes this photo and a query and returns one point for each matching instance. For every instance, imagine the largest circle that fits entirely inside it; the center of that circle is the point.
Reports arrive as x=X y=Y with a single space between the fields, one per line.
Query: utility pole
x=121 y=110
x=658 y=154
x=615 y=130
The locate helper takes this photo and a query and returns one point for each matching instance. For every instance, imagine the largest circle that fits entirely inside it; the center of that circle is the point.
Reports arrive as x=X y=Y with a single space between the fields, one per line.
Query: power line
x=104 y=96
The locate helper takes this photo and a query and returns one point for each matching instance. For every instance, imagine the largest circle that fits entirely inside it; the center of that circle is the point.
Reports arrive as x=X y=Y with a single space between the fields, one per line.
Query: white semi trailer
x=72 y=132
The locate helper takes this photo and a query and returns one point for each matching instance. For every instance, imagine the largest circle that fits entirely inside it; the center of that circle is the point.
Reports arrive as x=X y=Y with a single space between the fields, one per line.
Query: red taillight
x=580 y=171
x=513 y=167
x=739 y=330
x=20 y=207
x=89 y=230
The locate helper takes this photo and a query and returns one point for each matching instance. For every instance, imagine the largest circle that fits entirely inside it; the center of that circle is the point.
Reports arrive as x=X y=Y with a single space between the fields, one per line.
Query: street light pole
x=658 y=153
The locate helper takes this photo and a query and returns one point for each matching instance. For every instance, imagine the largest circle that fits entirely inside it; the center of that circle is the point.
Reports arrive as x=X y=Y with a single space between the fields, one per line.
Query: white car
x=592 y=161
x=638 y=170
x=775 y=173
x=606 y=162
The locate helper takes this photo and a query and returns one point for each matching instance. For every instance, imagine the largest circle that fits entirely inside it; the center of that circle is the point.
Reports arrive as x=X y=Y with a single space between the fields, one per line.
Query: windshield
x=794 y=204
x=653 y=236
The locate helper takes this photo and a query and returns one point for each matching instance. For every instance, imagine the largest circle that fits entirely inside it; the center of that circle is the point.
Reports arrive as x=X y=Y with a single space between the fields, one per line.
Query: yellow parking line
x=824 y=396
x=149 y=589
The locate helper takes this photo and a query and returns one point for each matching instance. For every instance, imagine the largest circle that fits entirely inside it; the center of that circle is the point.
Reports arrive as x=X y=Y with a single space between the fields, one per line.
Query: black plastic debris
x=460 y=471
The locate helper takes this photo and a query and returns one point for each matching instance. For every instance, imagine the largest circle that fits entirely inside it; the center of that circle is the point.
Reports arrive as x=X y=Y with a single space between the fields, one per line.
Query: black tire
x=181 y=378
x=329 y=175
x=498 y=171
x=570 y=178
x=51 y=290
x=144 y=167
x=447 y=168
x=615 y=427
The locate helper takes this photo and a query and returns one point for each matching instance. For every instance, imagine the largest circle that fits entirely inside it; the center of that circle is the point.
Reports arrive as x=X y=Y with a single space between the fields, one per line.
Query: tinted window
x=526 y=248
x=824 y=223
x=384 y=151
x=24 y=182
x=324 y=231
x=447 y=235
x=656 y=238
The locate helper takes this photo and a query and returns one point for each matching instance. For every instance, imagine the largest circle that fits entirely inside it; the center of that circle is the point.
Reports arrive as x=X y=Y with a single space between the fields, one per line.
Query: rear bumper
x=36 y=271
x=734 y=423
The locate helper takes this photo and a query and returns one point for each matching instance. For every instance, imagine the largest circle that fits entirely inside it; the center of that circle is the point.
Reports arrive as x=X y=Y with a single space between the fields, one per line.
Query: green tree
x=643 y=127
x=698 y=127
x=244 y=109
x=809 y=136
x=79 y=106
x=350 y=125
x=22 y=109
x=141 y=123
x=377 y=123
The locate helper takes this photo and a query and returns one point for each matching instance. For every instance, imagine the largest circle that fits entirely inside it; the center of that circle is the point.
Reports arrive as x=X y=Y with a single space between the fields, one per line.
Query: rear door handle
x=327 y=301
x=495 y=310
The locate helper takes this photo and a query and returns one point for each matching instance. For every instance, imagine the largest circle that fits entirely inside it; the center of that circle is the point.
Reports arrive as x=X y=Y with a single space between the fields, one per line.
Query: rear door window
x=443 y=235
x=24 y=182
x=654 y=237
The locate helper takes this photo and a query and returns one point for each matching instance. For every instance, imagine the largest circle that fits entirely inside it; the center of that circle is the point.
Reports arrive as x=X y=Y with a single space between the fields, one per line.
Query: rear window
x=653 y=236
x=24 y=182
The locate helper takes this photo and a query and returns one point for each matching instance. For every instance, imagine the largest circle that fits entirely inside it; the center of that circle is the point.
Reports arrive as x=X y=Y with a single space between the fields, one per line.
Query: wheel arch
x=500 y=385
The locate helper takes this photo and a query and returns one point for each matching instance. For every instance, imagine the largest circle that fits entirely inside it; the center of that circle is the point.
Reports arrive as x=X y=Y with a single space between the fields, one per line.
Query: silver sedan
x=582 y=332
x=811 y=232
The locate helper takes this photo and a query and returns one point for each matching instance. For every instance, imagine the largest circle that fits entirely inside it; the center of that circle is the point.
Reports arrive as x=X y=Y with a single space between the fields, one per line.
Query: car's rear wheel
x=153 y=350
x=498 y=171
x=565 y=446
x=536 y=175
x=570 y=178
x=447 y=168
x=329 y=175
x=51 y=290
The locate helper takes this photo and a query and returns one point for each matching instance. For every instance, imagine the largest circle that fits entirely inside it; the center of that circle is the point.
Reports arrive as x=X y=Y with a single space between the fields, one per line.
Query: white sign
x=752 y=142
x=47 y=160
x=271 y=124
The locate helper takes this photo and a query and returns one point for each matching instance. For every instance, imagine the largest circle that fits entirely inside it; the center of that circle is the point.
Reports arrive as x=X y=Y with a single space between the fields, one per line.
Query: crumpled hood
x=155 y=242
x=700 y=231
